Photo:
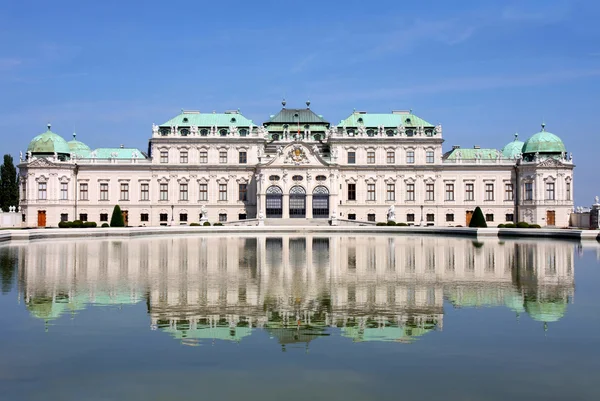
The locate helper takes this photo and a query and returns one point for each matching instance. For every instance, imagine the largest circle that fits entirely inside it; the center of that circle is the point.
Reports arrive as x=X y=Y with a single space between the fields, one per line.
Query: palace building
x=370 y=167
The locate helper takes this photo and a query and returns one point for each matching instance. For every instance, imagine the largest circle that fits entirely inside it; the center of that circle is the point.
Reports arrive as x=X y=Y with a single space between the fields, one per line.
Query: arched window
x=243 y=132
x=223 y=132
x=184 y=132
x=164 y=131
x=274 y=190
x=321 y=190
x=204 y=132
x=389 y=132
x=370 y=132
x=297 y=190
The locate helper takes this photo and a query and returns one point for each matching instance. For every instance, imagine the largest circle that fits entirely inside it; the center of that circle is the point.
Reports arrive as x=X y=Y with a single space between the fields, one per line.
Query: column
x=285 y=206
x=309 y=203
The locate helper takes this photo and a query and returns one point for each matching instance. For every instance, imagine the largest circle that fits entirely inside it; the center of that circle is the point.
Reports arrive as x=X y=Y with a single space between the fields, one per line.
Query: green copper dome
x=545 y=311
x=48 y=143
x=544 y=142
x=512 y=149
x=79 y=148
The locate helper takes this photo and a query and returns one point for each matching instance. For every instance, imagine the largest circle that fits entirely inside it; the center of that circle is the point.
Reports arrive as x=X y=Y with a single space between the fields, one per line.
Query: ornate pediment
x=550 y=163
x=297 y=154
x=41 y=163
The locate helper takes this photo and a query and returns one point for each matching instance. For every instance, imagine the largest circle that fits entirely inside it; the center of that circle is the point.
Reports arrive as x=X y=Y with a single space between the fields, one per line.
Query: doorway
x=320 y=203
x=274 y=202
x=469 y=216
x=550 y=218
x=297 y=202
x=41 y=218
x=125 y=214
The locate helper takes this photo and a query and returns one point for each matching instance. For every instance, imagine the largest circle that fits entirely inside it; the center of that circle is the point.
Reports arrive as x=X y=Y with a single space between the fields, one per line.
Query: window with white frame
x=203 y=192
x=203 y=156
x=222 y=192
x=508 y=191
x=351 y=157
x=222 y=156
x=371 y=157
x=550 y=191
x=83 y=191
x=429 y=156
x=370 y=192
x=391 y=157
x=351 y=192
x=528 y=191
x=144 y=191
x=103 y=191
x=449 y=191
x=489 y=191
x=124 y=191
x=391 y=192
x=568 y=191
x=42 y=191
x=64 y=190
x=410 y=157
x=410 y=192
x=183 y=157
x=243 y=192
x=242 y=157
x=469 y=191
x=164 y=156
x=183 y=191
x=429 y=192
x=164 y=191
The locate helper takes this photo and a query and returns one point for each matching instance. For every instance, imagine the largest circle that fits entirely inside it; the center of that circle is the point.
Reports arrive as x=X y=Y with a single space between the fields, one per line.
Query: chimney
x=121 y=146
x=476 y=147
x=454 y=147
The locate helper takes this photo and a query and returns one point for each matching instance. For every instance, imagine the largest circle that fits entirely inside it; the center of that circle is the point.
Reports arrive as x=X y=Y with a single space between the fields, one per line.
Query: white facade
x=232 y=170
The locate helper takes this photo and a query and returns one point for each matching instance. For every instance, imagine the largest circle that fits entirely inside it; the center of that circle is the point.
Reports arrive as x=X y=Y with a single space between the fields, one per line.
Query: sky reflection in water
x=357 y=317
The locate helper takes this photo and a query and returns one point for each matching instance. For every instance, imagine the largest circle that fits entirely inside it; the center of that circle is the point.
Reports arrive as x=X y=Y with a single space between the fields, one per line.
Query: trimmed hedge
x=501 y=226
x=477 y=220
x=194 y=224
x=217 y=224
x=116 y=219
x=391 y=223
x=104 y=225
x=77 y=224
x=522 y=224
x=510 y=225
x=381 y=224
x=402 y=224
x=206 y=223
x=535 y=226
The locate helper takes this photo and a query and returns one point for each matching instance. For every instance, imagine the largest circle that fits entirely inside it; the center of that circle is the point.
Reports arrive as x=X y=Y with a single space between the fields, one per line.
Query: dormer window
x=164 y=131
x=185 y=119
x=233 y=119
x=360 y=120
x=370 y=132
x=350 y=132
x=275 y=137
x=409 y=132
x=204 y=132
x=306 y=126
x=428 y=132
x=408 y=121
x=184 y=132
x=223 y=132
x=317 y=137
x=243 y=132
x=285 y=126
x=296 y=115
x=389 y=132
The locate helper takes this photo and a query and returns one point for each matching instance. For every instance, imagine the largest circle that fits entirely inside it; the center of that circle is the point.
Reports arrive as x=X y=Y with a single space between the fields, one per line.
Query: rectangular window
x=83 y=191
x=352 y=216
x=568 y=191
x=469 y=192
x=183 y=191
x=144 y=191
x=64 y=191
x=223 y=156
x=430 y=217
x=164 y=156
x=144 y=217
x=549 y=191
x=64 y=217
x=183 y=157
x=410 y=192
x=450 y=192
x=429 y=192
x=528 y=191
x=183 y=217
x=243 y=192
x=103 y=216
x=124 y=191
x=103 y=191
x=489 y=217
x=351 y=157
x=203 y=156
x=429 y=156
x=371 y=157
x=508 y=191
x=164 y=191
x=370 y=192
x=391 y=192
x=489 y=192
x=371 y=217
x=351 y=192
x=222 y=217
x=24 y=196
x=410 y=157
x=242 y=216
x=222 y=192
x=410 y=217
x=83 y=216
x=203 y=192
x=450 y=217
x=509 y=217
x=163 y=217
x=391 y=157
x=243 y=157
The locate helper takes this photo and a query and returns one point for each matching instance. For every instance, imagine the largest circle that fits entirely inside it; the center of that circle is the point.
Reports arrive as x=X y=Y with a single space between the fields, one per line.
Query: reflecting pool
x=297 y=317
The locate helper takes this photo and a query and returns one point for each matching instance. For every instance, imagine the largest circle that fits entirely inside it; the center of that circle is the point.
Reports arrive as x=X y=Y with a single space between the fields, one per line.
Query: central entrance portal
x=274 y=204
x=297 y=202
x=320 y=202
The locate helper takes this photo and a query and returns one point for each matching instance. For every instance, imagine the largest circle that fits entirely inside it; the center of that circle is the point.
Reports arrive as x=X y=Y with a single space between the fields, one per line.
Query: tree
x=9 y=186
x=116 y=219
x=477 y=220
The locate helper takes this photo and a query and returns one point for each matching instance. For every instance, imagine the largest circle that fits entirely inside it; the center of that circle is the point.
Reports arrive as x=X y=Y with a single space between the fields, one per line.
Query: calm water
x=297 y=318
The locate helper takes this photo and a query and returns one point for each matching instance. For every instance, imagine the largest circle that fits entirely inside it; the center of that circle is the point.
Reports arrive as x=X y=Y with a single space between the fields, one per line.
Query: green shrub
x=381 y=224
x=501 y=226
x=477 y=220
x=217 y=224
x=64 y=224
x=89 y=224
x=522 y=224
x=206 y=223
x=402 y=224
x=391 y=223
x=510 y=225
x=104 y=225
x=194 y=224
x=477 y=244
x=535 y=226
x=116 y=219
x=76 y=224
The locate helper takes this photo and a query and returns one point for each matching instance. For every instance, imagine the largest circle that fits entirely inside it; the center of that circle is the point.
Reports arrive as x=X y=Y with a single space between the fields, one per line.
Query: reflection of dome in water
x=398 y=334
x=45 y=308
x=515 y=302
x=190 y=336
x=546 y=311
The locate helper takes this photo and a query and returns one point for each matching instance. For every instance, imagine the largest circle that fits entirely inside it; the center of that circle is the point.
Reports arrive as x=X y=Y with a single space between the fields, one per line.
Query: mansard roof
x=393 y=119
x=188 y=118
x=471 y=154
x=295 y=116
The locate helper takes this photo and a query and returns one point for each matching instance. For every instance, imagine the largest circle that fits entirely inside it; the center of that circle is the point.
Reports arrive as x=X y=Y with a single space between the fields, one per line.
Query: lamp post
x=421 y=224
x=172 y=217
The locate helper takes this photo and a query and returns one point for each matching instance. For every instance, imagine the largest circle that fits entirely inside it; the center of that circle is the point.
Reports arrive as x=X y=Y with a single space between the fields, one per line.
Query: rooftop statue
x=154 y=129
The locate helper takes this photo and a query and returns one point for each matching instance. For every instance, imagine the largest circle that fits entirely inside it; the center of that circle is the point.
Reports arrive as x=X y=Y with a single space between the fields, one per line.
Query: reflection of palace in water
x=298 y=288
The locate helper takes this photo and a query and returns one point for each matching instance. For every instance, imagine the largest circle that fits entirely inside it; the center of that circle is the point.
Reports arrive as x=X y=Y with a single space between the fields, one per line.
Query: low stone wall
x=580 y=220
x=74 y=233
x=10 y=219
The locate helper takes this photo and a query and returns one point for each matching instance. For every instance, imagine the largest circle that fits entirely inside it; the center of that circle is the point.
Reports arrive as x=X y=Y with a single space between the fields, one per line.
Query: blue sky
x=483 y=69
